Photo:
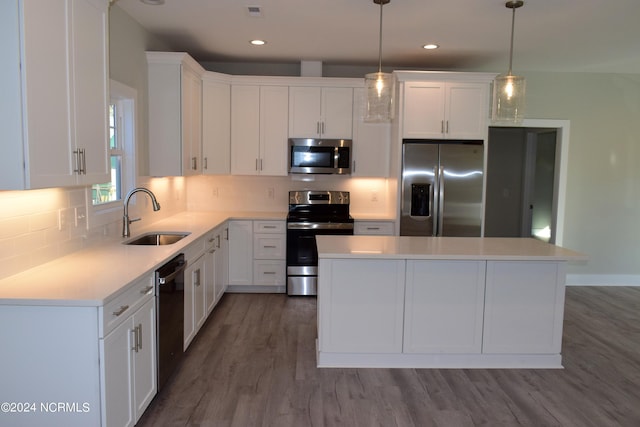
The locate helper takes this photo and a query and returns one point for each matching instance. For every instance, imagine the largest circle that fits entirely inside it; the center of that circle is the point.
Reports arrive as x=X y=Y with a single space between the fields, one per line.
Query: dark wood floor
x=253 y=364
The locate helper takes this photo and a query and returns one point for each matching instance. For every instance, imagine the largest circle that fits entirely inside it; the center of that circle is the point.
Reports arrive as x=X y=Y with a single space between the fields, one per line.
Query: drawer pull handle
x=269 y=226
x=122 y=309
x=269 y=272
x=146 y=290
x=373 y=228
x=269 y=246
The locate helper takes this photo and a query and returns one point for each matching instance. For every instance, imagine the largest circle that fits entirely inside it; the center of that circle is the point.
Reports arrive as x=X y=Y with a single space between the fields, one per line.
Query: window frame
x=126 y=100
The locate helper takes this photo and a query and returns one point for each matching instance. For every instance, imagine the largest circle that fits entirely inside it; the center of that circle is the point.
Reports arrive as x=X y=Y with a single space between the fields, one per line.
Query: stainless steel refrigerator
x=441 y=188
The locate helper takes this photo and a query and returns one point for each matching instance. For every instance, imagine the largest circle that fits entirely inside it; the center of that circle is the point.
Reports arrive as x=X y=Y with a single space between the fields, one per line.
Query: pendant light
x=509 y=90
x=379 y=87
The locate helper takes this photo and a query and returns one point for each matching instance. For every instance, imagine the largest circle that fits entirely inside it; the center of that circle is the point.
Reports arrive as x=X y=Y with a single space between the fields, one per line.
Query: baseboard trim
x=603 y=280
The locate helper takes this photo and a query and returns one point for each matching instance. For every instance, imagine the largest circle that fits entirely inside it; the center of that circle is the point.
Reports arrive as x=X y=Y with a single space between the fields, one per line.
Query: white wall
x=603 y=177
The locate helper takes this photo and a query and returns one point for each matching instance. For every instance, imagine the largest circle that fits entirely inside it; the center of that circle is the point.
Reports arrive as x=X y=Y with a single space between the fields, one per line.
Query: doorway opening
x=525 y=181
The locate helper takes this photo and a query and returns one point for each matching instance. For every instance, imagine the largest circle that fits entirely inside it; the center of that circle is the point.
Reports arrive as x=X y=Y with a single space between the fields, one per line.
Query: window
x=112 y=191
x=108 y=196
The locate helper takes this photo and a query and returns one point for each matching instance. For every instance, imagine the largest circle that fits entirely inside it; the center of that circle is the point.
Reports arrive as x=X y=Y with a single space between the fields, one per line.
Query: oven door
x=302 y=253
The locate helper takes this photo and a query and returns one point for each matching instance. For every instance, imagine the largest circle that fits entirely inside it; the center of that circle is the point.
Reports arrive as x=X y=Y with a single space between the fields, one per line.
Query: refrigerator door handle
x=435 y=201
x=440 y=201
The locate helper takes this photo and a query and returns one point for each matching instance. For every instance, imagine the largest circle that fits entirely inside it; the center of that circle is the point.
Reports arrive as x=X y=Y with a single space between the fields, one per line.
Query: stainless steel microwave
x=319 y=156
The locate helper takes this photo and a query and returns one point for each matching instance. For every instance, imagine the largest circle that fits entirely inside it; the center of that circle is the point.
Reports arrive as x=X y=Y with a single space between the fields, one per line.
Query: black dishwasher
x=169 y=316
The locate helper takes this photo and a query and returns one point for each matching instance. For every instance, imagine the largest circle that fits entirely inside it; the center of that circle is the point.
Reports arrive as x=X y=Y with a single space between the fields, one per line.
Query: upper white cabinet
x=216 y=124
x=54 y=84
x=320 y=112
x=259 y=118
x=371 y=142
x=445 y=109
x=175 y=114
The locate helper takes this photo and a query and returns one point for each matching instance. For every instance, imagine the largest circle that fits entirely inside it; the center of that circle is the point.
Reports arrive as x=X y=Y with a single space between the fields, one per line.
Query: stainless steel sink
x=157 y=238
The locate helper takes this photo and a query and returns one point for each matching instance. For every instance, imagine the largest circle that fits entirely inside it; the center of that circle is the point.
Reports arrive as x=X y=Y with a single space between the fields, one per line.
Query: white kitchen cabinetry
x=384 y=228
x=240 y=252
x=128 y=371
x=209 y=278
x=216 y=124
x=371 y=142
x=54 y=84
x=214 y=275
x=259 y=120
x=175 y=114
x=222 y=261
x=130 y=367
x=269 y=253
x=449 y=110
x=320 y=112
x=364 y=303
x=194 y=298
x=524 y=307
x=444 y=303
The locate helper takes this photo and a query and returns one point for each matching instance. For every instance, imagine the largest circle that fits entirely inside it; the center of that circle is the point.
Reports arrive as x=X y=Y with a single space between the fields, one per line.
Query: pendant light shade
x=380 y=87
x=509 y=90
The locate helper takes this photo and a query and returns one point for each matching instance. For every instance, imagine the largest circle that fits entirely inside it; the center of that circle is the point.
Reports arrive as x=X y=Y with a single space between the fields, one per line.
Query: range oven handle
x=320 y=226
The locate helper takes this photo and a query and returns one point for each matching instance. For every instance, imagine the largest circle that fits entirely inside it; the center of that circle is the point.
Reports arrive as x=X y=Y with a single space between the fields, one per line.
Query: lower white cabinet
x=129 y=367
x=269 y=253
x=444 y=303
x=194 y=299
x=214 y=268
x=221 y=261
x=524 y=307
x=240 y=252
x=363 y=305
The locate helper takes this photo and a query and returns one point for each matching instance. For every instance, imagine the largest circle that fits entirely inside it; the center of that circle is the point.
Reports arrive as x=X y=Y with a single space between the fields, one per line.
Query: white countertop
x=456 y=248
x=94 y=276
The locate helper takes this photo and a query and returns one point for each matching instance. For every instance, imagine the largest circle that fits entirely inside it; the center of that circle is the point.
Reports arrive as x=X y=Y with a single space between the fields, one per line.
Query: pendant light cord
x=513 y=23
x=380 y=41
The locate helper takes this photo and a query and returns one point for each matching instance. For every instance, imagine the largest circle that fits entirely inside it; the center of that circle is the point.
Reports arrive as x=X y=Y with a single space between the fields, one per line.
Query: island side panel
x=524 y=307
x=360 y=305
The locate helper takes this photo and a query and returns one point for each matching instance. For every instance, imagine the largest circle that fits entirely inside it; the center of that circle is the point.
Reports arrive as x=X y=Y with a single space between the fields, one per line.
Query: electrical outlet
x=81 y=217
x=374 y=196
x=271 y=193
x=214 y=191
x=62 y=219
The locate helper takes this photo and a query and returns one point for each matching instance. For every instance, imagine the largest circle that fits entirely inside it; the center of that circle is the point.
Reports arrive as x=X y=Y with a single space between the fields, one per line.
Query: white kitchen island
x=440 y=302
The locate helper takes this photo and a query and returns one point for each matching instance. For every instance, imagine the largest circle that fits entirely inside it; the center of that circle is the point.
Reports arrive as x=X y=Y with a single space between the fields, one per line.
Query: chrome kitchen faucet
x=126 y=232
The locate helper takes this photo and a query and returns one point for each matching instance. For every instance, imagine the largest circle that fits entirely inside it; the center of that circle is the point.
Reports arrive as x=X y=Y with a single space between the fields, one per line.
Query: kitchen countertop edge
x=81 y=280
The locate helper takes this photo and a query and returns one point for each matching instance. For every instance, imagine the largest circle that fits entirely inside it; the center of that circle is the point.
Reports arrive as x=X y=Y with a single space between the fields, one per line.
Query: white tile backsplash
x=29 y=225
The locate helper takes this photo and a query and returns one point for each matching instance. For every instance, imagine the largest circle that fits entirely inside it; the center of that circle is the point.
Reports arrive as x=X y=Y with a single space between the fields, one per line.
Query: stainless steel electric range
x=312 y=213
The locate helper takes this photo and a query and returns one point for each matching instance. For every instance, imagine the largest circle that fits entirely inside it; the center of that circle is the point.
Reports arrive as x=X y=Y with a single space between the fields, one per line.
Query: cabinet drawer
x=269 y=246
x=269 y=273
x=125 y=304
x=269 y=226
x=195 y=249
x=380 y=228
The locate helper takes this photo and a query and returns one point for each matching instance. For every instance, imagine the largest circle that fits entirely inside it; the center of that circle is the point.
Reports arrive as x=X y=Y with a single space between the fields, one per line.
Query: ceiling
x=550 y=35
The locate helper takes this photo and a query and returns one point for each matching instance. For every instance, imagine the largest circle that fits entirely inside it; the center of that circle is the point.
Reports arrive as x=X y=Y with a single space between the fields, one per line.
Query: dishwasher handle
x=169 y=277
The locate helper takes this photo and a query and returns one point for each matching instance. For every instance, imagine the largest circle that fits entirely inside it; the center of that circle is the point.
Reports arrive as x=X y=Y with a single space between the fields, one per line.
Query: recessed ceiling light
x=258 y=42
x=430 y=46
x=153 y=2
